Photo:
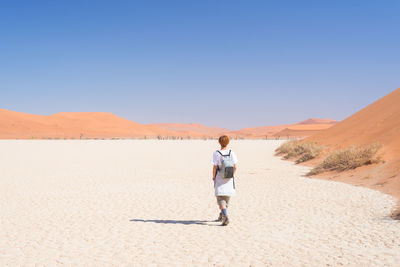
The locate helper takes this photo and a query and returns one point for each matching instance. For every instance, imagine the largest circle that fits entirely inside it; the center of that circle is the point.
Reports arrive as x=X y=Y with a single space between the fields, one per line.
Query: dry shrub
x=286 y=147
x=396 y=213
x=303 y=151
x=349 y=158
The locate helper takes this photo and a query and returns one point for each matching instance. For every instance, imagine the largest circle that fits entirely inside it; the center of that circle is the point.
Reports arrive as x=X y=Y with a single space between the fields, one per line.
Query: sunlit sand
x=132 y=202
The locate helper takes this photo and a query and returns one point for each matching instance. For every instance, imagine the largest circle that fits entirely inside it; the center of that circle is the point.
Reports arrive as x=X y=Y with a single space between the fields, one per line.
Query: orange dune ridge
x=306 y=128
x=17 y=125
x=309 y=127
x=192 y=129
x=72 y=125
x=300 y=129
x=259 y=132
x=377 y=123
x=318 y=121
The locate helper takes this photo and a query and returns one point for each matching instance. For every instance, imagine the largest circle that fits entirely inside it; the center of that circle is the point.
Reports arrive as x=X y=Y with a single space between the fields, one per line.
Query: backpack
x=227 y=165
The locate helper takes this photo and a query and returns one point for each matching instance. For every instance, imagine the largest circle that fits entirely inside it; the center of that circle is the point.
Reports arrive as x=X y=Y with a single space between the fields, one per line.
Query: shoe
x=225 y=221
x=220 y=217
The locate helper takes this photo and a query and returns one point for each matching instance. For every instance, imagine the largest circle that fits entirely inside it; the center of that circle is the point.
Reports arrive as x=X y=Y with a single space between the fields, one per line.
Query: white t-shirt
x=223 y=186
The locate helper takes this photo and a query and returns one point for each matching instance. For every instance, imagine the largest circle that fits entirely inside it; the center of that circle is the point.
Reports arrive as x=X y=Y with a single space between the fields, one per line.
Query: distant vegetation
x=349 y=158
x=338 y=160
x=300 y=150
x=396 y=213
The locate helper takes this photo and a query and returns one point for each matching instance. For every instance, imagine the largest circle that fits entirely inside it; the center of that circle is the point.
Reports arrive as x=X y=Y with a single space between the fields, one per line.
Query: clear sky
x=231 y=63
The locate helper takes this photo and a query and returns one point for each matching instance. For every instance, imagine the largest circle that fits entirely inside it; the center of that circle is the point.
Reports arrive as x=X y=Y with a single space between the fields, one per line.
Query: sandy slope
x=306 y=128
x=69 y=125
x=303 y=130
x=72 y=125
x=318 y=121
x=377 y=123
x=300 y=129
x=119 y=203
x=192 y=129
x=259 y=131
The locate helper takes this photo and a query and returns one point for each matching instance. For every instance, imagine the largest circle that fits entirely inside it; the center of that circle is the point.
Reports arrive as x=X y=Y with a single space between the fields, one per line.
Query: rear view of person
x=224 y=167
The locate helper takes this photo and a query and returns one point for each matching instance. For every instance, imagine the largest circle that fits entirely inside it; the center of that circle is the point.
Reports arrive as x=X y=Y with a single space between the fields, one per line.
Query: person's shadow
x=185 y=222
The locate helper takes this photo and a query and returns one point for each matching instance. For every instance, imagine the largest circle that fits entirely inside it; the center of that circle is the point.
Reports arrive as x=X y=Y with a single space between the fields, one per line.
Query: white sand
x=120 y=203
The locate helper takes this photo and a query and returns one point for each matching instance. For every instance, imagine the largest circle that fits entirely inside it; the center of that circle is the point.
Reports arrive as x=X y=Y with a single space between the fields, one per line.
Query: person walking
x=224 y=167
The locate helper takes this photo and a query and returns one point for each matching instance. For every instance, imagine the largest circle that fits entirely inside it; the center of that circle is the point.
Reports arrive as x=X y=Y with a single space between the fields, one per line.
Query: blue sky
x=232 y=64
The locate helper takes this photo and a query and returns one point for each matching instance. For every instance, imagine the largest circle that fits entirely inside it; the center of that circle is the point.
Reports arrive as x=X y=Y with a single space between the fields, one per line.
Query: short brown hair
x=223 y=140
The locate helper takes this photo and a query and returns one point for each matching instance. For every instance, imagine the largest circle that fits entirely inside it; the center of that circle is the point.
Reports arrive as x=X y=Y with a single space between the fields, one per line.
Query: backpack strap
x=224 y=155
x=216 y=172
x=233 y=175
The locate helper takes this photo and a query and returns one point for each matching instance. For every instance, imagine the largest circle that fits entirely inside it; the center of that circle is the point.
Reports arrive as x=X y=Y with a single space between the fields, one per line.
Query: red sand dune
x=300 y=129
x=72 y=125
x=304 y=129
x=377 y=123
x=318 y=121
x=258 y=132
x=192 y=129
x=107 y=125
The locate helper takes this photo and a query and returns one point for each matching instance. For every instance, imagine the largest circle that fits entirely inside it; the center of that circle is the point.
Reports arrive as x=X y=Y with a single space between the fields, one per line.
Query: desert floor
x=134 y=203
